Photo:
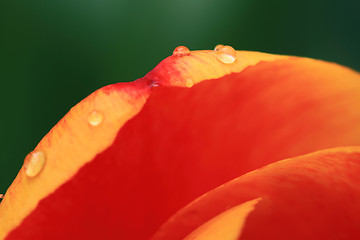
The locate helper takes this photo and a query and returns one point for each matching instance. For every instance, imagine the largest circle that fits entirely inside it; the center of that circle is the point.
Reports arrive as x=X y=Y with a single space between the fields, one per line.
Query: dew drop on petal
x=225 y=54
x=95 y=118
x=189 y=83
x=154 y=84
x=1 y=196
x=181 y=51
x=34 y=163
x=218 y=47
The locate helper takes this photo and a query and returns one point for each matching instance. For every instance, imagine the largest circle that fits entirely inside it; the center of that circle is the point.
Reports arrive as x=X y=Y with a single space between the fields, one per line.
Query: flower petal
x=158 y=148
x=315 y=196
x=226 y=226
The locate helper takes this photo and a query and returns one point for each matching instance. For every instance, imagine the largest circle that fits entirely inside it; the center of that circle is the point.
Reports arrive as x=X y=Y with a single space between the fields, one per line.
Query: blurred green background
x=53 y=53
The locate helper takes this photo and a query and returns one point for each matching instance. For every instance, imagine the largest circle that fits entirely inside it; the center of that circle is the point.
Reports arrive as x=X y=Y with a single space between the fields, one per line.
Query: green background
x=53 y=53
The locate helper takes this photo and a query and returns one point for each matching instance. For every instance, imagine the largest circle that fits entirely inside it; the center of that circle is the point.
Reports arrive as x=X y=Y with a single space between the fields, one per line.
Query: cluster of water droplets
x=224 y=53
x=35 y=161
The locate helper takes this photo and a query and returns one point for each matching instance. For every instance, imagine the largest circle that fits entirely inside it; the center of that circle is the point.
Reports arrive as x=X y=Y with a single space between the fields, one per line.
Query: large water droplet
x=181 y=51
x=95 y=118
x=225 y=54
x=34 y=163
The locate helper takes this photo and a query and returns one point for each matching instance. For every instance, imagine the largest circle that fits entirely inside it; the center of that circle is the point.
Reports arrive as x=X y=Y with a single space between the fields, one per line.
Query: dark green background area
x=53 y=53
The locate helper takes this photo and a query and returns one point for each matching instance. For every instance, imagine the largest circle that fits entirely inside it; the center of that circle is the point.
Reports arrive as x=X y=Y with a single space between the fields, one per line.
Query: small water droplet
x=34 y=163
x=154 y=84
x=1 y=196
x=95 y=118
x=225 y=54
x=181 y=51
x=189 y=83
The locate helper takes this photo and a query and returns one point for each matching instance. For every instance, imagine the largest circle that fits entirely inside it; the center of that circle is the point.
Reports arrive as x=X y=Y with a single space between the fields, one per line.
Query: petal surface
x=315 y=196
x=163 y=143
x=226 y=226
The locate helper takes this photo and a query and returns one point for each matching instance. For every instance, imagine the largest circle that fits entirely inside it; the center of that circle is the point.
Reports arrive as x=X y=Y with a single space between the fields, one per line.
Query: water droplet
x=225 y=54
x=154 y=84
x=34 y=163
x=1 y=196
x=95 y=118
x=181 y=51
x=218 y=47
x=189 y=83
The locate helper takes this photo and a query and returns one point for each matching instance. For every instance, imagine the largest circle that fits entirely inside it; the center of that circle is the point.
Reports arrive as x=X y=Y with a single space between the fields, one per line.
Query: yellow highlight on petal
x=227 y=225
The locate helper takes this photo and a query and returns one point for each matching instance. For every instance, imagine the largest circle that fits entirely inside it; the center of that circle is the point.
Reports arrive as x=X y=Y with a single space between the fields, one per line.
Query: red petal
x=316 y=196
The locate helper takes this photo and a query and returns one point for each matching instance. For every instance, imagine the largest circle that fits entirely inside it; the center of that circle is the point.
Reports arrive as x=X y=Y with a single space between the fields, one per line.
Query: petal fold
x=315 y=196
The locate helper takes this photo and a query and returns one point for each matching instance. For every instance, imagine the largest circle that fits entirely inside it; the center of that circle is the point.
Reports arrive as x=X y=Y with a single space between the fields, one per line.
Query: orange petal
x=226 y=226
x=158 y=148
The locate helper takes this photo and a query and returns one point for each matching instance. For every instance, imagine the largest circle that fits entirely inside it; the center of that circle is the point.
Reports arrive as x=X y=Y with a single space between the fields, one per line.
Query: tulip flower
x=219 y=144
